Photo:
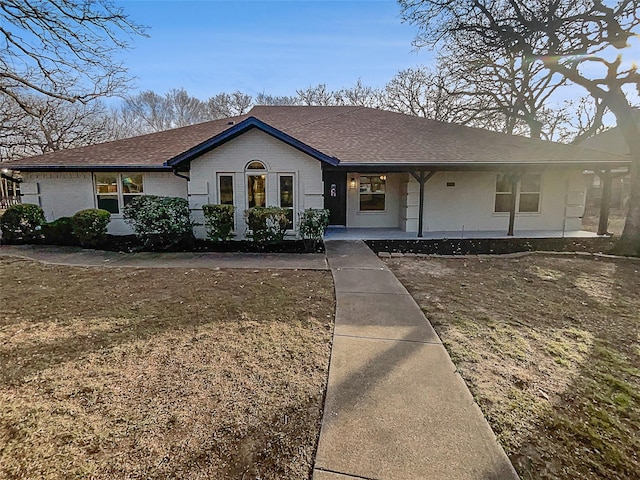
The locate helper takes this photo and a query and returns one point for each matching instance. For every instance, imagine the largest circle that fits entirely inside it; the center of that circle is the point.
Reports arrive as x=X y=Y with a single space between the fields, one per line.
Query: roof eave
x=90 y=168
x=452 y=166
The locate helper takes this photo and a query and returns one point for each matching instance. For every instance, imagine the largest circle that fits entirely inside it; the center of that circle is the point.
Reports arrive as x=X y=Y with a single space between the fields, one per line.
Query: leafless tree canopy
x=62 y=49
x=51 y=125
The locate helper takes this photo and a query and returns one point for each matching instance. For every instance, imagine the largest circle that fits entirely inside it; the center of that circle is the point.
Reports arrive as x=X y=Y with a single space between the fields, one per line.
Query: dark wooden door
x=335 y=197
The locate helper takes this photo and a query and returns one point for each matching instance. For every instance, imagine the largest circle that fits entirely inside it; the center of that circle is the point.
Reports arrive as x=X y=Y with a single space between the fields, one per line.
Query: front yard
x=550 y=348
x=161 y=373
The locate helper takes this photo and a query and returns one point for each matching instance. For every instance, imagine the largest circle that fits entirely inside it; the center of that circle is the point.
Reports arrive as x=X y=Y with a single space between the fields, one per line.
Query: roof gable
x=242 y=127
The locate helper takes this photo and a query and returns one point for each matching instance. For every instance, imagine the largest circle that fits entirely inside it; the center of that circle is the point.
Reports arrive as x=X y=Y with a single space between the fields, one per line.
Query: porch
x=343 y=233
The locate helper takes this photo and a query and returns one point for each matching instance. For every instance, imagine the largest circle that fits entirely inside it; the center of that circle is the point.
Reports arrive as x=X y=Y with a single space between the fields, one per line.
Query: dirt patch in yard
x=161 y=373
x=550 y=348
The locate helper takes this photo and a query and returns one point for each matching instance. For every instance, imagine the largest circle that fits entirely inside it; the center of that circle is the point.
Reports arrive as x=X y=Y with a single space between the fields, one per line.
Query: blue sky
x=269 y=46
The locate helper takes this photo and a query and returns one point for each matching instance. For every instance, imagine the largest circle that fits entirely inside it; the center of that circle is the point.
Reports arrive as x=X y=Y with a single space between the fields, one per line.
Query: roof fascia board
x=243 y=127
x=454 y=166
x=90 y=168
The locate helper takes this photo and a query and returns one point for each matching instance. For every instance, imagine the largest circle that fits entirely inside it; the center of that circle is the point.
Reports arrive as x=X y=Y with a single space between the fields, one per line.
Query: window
x=115 y=190
x=107 y=192
x=372 y=192
x=286 y=197
x=225 y=189
x=527 y=194
x=256 y=184
x=503 y=193
x=131 y=187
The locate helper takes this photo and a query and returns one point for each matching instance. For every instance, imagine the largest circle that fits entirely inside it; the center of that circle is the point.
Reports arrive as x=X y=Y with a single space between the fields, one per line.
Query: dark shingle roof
x=356 y=136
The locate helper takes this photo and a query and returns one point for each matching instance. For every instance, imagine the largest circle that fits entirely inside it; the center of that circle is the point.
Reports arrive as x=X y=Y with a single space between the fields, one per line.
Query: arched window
x=256 y=165
x=256 y=184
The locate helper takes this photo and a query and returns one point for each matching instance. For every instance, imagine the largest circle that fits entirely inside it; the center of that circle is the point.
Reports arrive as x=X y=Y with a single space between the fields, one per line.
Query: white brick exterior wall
x=233 y=157
x=469 y=204
x=61 y=194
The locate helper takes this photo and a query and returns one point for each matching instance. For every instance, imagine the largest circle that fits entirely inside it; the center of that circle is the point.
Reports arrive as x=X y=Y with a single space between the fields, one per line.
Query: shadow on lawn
x=61 y=314
x=592 y=429
x=567 y=326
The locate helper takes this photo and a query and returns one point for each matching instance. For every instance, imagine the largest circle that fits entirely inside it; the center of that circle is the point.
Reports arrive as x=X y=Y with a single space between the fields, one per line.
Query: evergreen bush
x=90 y=226
x=159 y=222
x=266 y=224
x=22 y=223
x=218 y=219
x=312 y=223
x=59 y=232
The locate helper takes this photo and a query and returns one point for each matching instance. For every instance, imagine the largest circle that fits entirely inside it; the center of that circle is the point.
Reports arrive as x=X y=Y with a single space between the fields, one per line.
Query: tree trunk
x=629 y=243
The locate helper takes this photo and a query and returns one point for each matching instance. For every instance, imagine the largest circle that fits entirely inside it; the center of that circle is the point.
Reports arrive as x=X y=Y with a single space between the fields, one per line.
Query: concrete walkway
x=80 y=257
x=395 y=406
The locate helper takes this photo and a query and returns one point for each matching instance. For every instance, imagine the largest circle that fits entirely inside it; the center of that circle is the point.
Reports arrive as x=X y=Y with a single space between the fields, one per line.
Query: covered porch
x=348 y=233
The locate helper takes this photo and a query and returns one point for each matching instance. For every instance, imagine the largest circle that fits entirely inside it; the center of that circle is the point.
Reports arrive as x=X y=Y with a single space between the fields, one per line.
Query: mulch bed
x=492 y=245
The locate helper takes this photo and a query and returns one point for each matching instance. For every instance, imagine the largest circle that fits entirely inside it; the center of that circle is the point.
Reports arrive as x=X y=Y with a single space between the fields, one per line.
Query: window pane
x=132 y=183
x=286 y=197
x=371 y=202
x=529 y=202
x=503 y=184
x=286 y=191
x=108 y=203
x=503 y=202
x=530 y=183
x=256 y=190
x=106 y=183
x=256 y=166
x=226 y=189
x=372 y=192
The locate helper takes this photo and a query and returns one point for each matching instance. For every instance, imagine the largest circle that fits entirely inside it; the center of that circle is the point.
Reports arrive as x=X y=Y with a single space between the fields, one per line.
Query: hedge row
x=158 y=222
x=26 y=223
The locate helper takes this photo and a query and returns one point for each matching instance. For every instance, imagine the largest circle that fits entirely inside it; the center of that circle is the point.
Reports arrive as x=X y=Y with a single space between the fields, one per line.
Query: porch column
x=422 y=177
x=512 y=207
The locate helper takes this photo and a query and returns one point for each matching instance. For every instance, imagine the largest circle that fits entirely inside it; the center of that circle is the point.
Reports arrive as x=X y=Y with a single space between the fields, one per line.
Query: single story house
x=370 y=168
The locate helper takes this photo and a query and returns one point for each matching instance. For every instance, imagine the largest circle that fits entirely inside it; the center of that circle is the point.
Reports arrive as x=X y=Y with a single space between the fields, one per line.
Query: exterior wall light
x=383 y=177
x=352 y=182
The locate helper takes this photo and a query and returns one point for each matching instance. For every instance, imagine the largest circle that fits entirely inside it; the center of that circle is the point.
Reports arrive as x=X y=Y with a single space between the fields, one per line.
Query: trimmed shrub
x=22 y=223
x=218 y=219
x=312 y=223
x=159 y=222
x=266 y=224
x=90 y=226
x=59 y=232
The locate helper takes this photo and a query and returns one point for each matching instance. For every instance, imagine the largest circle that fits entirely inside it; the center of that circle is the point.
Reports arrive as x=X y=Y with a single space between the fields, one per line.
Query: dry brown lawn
x=550 y=348
x=161 y=373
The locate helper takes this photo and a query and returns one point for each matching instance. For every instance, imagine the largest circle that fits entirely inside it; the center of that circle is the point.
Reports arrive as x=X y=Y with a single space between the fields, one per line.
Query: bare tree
x=50 y=124
x=501 y=81
x=437 y=95
x=275 y=100
x=317 y=96
x=566 y=37
x=62 y=49
x=146 y=112
x=228 y=105
x=359 y=95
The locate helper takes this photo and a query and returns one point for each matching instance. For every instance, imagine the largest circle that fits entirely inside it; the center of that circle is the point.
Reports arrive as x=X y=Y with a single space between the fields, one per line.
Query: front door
x=335 y=197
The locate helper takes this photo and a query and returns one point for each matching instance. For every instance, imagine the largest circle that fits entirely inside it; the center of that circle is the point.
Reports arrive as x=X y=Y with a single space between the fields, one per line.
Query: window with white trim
x=115 y=190
x=256 y=184
x=372 y=193
x=286 y=196
x=225 y=189
x=527 y=194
